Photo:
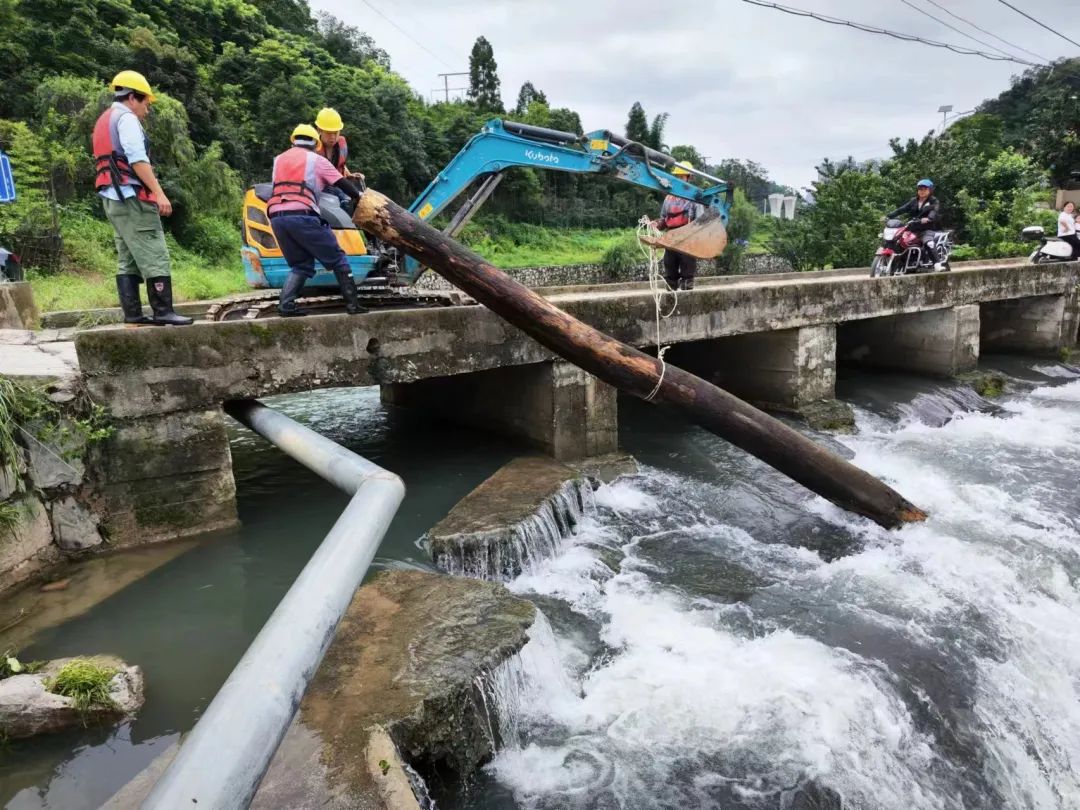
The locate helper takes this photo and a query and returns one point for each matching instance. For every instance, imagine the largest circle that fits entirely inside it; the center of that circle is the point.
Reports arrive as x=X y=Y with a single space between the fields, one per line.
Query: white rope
x=657 y=286
x=44 y=447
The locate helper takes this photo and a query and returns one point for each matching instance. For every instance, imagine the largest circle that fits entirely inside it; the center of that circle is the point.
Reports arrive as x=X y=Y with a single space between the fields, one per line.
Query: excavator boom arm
x=503 y=145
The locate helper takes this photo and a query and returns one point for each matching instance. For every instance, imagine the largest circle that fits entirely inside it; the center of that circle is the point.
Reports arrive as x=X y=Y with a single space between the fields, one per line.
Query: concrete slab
x=19 y=358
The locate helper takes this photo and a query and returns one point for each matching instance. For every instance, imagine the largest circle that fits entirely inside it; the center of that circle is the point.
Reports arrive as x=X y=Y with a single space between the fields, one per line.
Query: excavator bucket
x=704 y=238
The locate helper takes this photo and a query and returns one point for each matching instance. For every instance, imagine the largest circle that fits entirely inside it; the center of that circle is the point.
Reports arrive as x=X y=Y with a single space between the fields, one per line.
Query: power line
x=407 y=34
x=798 y=12
x=988 y=33
x=952 y=27
x=1044 y=25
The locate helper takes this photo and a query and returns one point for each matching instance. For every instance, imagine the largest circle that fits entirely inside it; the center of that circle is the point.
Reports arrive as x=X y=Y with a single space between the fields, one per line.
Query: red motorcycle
x=902 y=251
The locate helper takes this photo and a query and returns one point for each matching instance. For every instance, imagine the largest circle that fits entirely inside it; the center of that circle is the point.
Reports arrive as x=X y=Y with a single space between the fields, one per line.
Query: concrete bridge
x=775 y=340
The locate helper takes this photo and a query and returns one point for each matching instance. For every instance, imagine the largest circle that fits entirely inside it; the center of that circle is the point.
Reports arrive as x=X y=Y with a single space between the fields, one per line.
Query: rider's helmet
x=925 y=183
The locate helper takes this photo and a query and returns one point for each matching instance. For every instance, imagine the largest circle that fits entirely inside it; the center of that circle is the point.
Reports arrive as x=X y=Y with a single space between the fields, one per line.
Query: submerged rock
x=28 y=708
x=404 y=674
x=518 y=516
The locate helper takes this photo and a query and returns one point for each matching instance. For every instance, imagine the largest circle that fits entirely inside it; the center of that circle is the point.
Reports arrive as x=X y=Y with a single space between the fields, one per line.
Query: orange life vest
x=294 y=179
x=110 y=162
x=678 y=213
x=337 y=155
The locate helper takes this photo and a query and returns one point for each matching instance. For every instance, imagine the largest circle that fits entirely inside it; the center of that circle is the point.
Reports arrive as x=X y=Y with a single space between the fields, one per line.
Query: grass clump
x=86 y=682
x=11 y=665
x=10 y=516
x=623 y=256
x=518 y=244
x=65 y=432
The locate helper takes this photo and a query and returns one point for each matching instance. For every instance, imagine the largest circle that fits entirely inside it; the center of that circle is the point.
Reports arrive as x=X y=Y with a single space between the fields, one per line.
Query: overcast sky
x=738 y=80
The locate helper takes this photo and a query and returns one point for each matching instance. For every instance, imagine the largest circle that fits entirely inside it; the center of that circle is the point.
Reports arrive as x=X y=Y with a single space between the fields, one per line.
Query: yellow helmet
x=328 y=120
x=681 y=169
x=305 y=131
x=132 y=80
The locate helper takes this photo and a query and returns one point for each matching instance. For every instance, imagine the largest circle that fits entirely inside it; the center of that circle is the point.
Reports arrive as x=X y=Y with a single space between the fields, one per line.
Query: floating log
x=635 y=372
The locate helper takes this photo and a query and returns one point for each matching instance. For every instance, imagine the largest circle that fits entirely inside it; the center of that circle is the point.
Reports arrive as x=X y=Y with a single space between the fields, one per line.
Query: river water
x=718 y=636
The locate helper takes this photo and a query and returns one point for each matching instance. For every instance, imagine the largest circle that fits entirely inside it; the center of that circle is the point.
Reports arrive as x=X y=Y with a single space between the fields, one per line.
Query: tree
x=483 y=77
x=656 y=132
x=688 y=153
x=637 y=125
x=526 y=96
x=349 y=44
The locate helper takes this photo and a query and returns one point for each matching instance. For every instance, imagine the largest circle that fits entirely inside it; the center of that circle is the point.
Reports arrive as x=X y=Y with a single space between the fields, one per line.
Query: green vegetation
x=86 y=682
x=519 y=244
x=11 y=514
x=11 y=665
x=26 y=407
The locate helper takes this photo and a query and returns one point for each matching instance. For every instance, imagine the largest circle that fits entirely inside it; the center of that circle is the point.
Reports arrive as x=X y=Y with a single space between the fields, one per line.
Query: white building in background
x=781 y=206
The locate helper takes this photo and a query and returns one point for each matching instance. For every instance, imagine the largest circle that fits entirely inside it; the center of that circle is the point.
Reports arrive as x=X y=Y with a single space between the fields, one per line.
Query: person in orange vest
x=679 y=269
x=300 y=175
x=333 y=146
x=134 y=202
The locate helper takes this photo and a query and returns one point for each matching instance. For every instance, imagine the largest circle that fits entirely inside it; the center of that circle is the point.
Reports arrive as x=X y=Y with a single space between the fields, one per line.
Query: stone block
x=17 y=308
x=53 y=467
x=27 y=539
x=74 y=528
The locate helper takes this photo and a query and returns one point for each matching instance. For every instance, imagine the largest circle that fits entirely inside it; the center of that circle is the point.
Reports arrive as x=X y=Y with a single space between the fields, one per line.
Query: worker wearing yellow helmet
x=300 y=176
x=332 y=144
x=134 y=202
x=676 y=212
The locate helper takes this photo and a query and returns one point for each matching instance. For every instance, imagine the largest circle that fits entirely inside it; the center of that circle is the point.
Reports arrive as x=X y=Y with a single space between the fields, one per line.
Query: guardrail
x=222 y=761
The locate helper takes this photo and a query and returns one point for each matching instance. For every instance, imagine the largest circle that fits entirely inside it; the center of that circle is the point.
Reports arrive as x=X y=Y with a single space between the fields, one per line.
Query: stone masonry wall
x=49 y=499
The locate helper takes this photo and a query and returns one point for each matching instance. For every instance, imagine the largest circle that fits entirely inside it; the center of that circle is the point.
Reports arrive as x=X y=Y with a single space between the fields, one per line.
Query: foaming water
x=507 y=552
x=709 y=657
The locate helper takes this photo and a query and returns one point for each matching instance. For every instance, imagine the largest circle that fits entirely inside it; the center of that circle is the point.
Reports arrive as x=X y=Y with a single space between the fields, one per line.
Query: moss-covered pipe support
x=635 y=372
x=223 y=759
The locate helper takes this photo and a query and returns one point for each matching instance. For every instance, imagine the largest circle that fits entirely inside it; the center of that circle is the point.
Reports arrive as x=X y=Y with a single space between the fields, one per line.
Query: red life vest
x=678 y=213
x=294 y=179
x=338 y=154
x=110 y=162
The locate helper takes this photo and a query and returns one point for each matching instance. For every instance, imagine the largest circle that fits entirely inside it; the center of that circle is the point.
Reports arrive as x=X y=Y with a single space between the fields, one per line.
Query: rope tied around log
x=657 y=286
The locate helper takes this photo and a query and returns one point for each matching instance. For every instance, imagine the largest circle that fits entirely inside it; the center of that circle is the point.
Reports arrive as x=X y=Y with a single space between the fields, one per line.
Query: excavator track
x=264 y=305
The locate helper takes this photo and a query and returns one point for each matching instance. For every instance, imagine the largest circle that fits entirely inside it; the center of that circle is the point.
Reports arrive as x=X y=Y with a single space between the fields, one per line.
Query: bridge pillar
x=1043 y=324
x=553 y=406
x=938 y=342
x=166 y=476
x=789 y=370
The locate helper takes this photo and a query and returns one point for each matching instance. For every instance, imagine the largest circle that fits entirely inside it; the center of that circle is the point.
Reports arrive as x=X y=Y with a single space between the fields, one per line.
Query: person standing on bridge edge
x=300 y=175
x=679 y=269
x=925 y=212
x=134 y=202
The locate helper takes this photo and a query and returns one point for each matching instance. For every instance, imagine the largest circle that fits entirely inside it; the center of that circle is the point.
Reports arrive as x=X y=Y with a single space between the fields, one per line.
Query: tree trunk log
x=635 y=372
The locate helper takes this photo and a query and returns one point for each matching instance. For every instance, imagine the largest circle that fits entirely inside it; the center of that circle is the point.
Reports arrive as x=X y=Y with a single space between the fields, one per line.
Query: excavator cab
x=266 y=268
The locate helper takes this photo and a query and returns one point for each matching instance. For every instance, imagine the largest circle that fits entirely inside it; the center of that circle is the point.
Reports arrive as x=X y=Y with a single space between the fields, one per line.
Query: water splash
x=512 y=550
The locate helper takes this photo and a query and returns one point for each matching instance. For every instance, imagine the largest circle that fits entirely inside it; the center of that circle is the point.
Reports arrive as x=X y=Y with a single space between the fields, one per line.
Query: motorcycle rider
x=925 y=213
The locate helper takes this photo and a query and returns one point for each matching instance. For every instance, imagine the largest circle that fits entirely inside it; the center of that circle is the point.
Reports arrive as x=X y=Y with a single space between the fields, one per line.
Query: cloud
x=738 y=80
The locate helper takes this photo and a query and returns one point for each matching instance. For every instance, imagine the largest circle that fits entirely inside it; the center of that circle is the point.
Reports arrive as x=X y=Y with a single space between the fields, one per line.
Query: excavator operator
x=676 y=212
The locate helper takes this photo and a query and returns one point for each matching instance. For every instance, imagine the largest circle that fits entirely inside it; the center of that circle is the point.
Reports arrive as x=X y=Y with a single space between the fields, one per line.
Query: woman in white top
x=1067 y=227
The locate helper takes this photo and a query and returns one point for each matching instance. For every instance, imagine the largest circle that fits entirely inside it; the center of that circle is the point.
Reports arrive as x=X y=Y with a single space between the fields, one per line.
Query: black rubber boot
x=159 y=291
x=127 y=287
x=287 y=307
x=672 y=282
x=348 y=292
x=686 y=284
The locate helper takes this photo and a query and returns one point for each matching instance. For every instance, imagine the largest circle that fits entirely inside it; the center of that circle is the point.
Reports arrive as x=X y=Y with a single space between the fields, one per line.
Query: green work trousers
x=140 y=239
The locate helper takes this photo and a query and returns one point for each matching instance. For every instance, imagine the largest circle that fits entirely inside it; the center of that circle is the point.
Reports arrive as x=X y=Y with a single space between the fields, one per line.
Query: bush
x=86 y=682
x=623 y=256
x=214 y=237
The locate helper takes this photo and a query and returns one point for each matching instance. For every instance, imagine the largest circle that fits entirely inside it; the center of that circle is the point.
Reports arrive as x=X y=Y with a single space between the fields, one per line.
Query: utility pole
x=446 y=84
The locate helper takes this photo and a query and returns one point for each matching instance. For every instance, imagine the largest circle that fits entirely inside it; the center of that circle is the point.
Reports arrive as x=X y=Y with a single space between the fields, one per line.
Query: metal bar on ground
x=222 y=761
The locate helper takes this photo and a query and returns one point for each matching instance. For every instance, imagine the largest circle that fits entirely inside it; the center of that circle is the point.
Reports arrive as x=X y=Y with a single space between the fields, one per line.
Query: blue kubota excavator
x=386 y=279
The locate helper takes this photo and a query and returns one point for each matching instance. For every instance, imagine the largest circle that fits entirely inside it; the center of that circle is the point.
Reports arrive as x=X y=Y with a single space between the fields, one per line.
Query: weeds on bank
x=86 y=682
x=11 y=665
x=10 y=517
x=64 y=433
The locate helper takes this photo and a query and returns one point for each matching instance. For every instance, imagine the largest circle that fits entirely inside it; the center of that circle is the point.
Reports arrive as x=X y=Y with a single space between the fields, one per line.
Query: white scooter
x=1050 y=249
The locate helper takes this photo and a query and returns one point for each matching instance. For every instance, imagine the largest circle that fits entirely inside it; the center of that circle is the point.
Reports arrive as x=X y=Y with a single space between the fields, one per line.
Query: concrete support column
x=17 y=309
x=1043 y=324
x=940 y=342
x=555 y=406
x=787 y=370
x=166 y=476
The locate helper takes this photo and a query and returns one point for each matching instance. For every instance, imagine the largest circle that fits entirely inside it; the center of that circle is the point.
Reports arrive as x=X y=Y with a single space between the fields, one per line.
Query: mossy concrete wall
x=1037 y=325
